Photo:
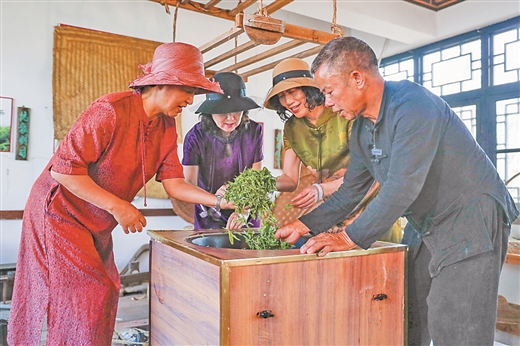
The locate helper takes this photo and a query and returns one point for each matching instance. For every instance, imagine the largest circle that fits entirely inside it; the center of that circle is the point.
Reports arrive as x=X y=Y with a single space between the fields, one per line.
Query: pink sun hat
x=176 y=63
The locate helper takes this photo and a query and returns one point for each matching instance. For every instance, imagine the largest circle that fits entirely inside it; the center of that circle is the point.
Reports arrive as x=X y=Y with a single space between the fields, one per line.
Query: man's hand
x=328 y=242
x=292 y=231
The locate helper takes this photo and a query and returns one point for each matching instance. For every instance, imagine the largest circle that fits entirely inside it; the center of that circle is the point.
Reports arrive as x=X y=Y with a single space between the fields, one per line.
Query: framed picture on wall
x=6 y=118
x=22 y=133
x=278 y=146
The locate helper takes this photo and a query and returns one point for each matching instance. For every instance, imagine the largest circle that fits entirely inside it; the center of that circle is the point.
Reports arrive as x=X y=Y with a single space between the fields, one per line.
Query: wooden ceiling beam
x=231 y=53
x=297 y=32
x=267 y=54
x=276 y=5
x=211 y=4
x=211 y=10
x=308 y=35
x=198 y=7
x=291 y=31
x=241 y=7
x=209 y=73
x=230 y=34
x=269 y=66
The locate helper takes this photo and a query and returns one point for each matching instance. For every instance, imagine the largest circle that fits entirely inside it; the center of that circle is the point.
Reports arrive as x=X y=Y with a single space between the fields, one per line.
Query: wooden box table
x=203 y=295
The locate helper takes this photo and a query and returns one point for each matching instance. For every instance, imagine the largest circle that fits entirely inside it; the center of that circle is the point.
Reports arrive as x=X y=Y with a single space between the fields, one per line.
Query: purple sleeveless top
x=220 y=160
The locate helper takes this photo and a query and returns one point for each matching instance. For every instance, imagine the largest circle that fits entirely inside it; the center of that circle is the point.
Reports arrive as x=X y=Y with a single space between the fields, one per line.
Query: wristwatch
x=219 y=198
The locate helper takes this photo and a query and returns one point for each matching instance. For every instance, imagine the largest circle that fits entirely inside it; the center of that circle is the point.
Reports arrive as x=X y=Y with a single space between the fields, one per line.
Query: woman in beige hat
x=65 y=270
x=313 y=134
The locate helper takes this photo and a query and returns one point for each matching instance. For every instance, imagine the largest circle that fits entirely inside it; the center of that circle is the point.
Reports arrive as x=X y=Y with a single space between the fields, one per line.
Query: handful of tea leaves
x=250 y=190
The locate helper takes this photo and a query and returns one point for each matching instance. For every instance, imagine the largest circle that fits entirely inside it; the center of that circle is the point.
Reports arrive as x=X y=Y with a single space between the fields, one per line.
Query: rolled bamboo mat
x=88 y=64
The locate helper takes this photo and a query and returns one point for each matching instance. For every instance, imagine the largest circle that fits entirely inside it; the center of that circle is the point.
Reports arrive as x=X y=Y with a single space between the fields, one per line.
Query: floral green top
x=323 y=148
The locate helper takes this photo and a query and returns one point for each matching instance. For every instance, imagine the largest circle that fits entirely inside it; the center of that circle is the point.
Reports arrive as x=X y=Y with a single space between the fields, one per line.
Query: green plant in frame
x=5 y=138
x=6 y=110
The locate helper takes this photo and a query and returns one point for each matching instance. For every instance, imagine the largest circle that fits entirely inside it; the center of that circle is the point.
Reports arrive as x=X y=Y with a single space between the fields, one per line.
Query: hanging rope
x=167 y=9
x=261 y=10
x=175 y=20
x=335 y=29
x=166 y=6
x=235 y=57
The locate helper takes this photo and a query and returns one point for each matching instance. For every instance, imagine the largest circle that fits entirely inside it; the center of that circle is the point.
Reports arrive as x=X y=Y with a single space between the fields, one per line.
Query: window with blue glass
x=399 y=70
x=453 y=69
x=506 y=57
x=468 y=114
x=478 y=75
x=508 y=143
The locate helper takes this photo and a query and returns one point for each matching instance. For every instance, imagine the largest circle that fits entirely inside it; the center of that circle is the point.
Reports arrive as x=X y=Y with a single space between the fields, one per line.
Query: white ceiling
x=406 y=25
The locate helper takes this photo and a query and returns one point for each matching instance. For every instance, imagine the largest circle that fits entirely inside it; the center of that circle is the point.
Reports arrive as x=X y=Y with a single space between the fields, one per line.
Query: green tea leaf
x=251 y=190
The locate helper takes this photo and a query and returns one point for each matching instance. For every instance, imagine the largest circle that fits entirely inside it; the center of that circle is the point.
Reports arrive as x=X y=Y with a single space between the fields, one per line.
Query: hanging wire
x=383 y=50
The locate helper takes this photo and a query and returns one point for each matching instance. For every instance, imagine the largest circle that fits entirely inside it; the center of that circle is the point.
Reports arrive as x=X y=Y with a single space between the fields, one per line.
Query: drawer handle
x=380 y=296
x=265 y=314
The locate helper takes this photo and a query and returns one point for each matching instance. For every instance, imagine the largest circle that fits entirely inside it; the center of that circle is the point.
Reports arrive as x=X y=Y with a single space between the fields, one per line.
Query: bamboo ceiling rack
x=261 y=30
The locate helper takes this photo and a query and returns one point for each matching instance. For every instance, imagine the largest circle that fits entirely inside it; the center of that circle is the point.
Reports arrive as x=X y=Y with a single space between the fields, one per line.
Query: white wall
x=26 y=43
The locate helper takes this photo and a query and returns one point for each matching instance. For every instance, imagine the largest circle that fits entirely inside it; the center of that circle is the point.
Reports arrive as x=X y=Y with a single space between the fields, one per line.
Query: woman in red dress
x=65 y=268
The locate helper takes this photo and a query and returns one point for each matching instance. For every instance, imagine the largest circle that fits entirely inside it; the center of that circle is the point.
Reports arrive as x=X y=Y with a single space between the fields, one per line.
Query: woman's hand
x=226 y=205
x=307 y=198
x=223 y=203
x=221 y=190
x=129 y=217
x=237 y=221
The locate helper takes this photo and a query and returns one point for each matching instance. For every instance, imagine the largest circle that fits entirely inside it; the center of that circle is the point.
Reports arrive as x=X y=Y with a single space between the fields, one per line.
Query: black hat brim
x=227 y=105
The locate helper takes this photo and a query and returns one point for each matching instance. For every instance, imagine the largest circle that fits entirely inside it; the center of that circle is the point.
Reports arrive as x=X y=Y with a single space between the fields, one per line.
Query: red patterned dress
x=65 y=267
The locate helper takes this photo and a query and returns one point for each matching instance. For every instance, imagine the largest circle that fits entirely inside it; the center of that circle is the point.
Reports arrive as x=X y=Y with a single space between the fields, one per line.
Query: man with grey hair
x=431 y=171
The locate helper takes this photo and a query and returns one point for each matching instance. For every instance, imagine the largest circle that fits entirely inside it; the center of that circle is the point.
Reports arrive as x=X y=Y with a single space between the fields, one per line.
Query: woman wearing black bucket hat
x=221 y=146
